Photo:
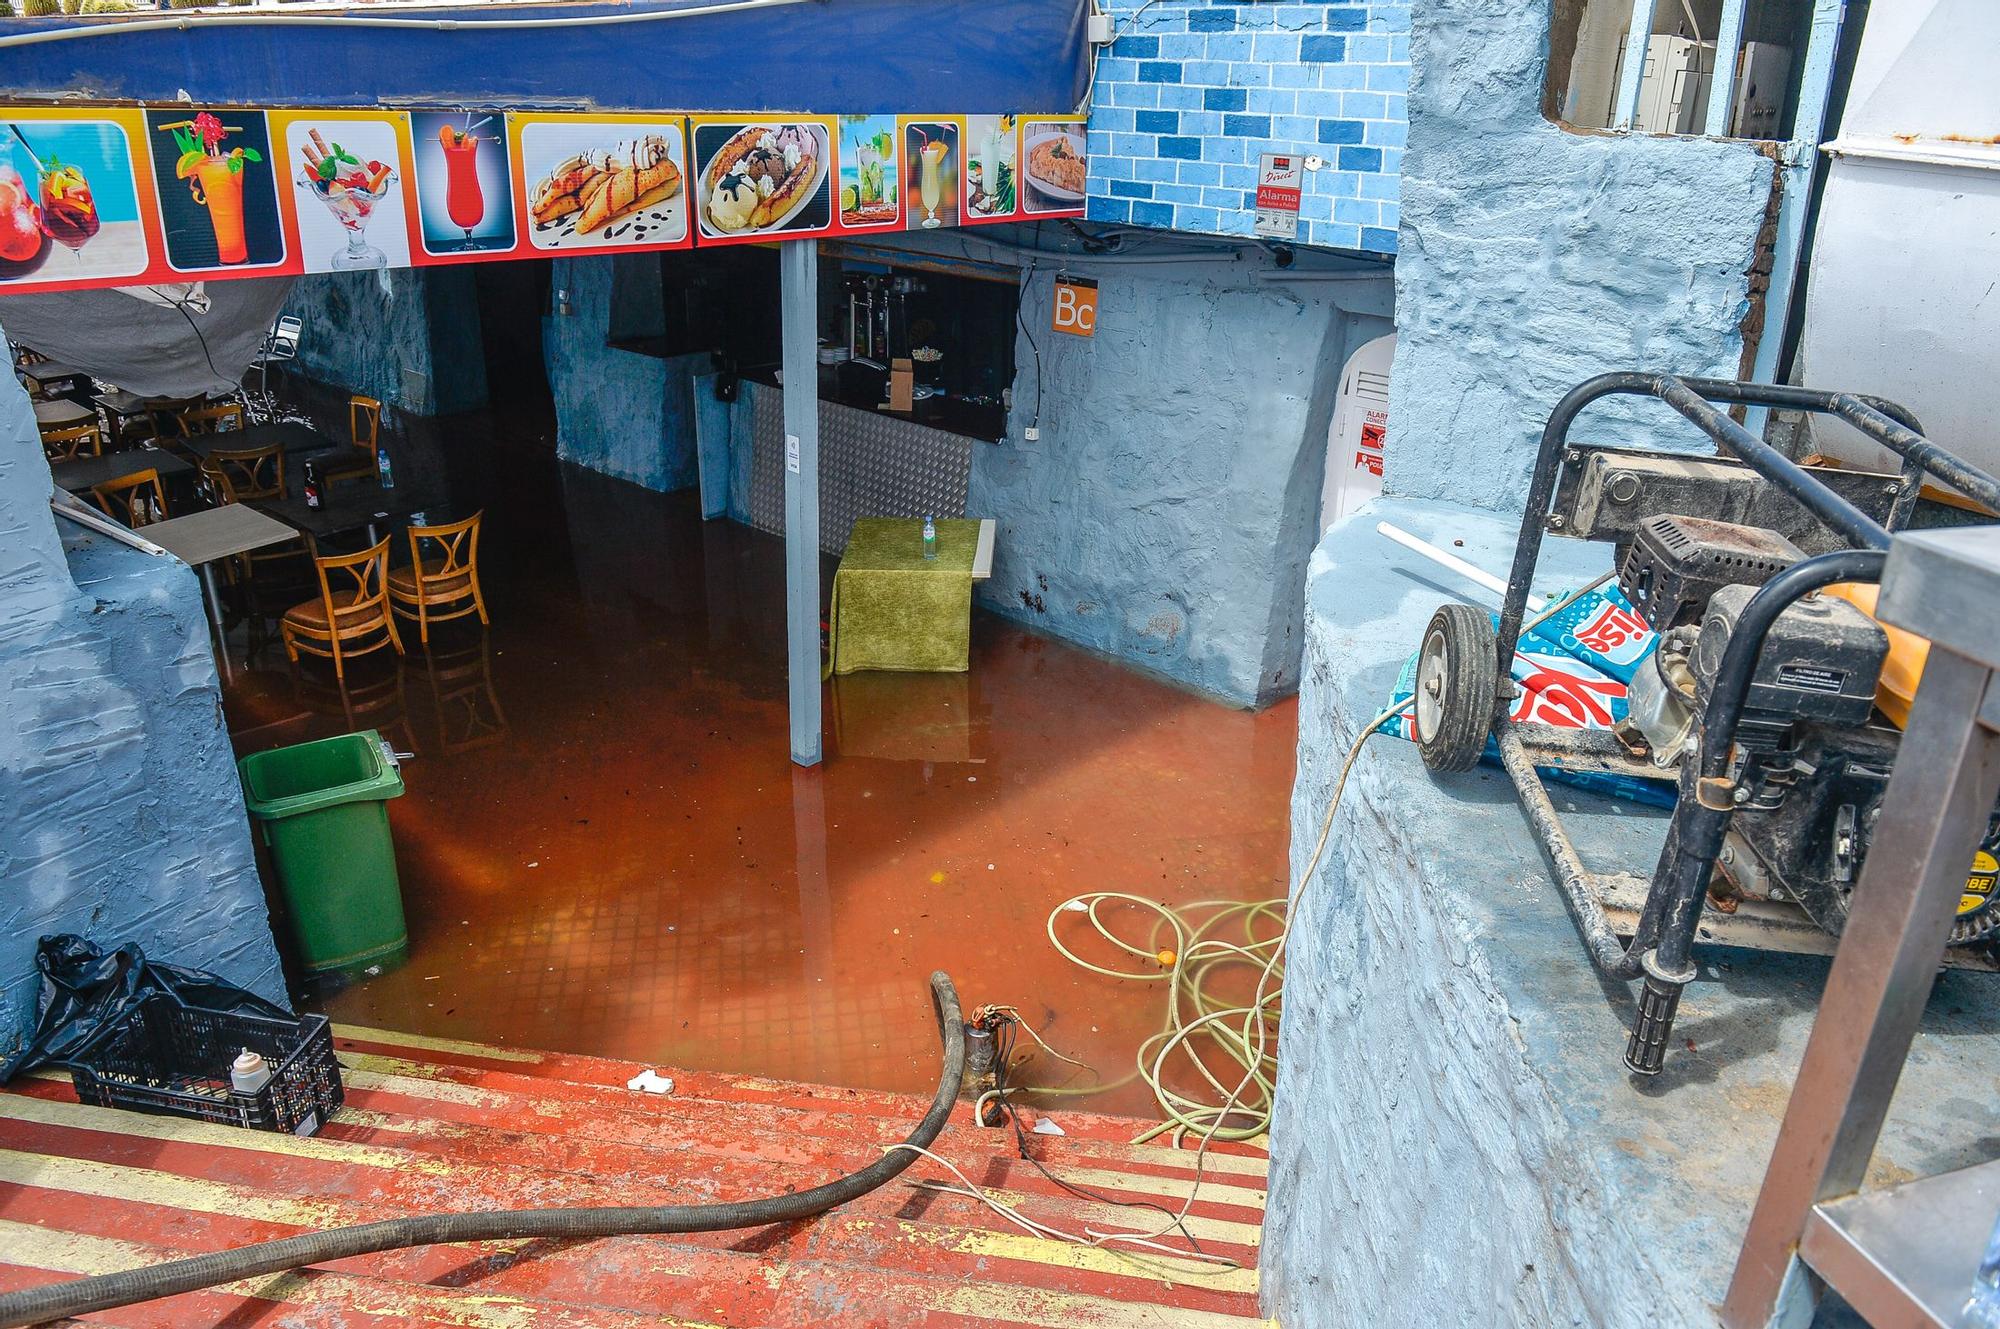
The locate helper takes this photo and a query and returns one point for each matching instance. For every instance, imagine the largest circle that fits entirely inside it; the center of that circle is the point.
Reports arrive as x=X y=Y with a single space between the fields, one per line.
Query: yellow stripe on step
x=427 y=1043
x=1044 y=1309
x=323 y=1294
x=1116 y=1218
x=81 y=1176
x=1120 y=1260
x=184 y=1130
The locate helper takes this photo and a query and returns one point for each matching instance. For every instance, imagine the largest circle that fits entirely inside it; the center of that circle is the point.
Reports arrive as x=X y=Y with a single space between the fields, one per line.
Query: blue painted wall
x=120 y=812
x=1189 y=96
x=359 y=337
x=1533 y=257
x=619 y=413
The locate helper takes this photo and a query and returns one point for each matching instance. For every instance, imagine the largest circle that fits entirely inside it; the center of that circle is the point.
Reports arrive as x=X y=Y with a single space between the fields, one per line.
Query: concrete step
x=433 y=1125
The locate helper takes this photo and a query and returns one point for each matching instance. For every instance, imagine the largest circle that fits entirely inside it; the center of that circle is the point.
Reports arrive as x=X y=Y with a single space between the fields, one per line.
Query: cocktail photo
x=990 y=190
x=68 y=205
x=606 y=184
x=348 y=181
x=868 y=172
x=1053 y=164
x=465 y=191
x=931 y=194
x=218 y=194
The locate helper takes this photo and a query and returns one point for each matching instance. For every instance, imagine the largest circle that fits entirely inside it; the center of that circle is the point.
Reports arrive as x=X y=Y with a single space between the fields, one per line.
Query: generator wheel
x=1458 y=671
x=1978 y=918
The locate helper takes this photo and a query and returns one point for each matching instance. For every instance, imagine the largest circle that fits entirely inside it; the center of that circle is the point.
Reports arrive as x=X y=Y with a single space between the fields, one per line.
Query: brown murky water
x=605 y=849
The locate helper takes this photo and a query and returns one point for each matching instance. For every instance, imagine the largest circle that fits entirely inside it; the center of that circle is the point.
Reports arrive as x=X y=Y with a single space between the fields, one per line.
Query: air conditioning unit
x=1673 y=87
x=1761 y=85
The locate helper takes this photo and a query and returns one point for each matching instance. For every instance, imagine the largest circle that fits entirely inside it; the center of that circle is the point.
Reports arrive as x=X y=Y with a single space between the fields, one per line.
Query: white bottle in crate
x=249 y=1073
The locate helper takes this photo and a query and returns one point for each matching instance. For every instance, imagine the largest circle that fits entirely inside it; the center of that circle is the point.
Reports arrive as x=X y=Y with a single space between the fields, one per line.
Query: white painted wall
x=1904 y=298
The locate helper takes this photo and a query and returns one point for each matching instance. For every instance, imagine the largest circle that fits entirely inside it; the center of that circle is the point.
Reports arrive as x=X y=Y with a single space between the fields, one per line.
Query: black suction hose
x=84 y=1295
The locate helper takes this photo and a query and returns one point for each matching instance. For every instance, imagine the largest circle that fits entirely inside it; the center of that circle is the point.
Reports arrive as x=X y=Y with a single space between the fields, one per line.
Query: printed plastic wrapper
x=86 y=989
x=1573 y=670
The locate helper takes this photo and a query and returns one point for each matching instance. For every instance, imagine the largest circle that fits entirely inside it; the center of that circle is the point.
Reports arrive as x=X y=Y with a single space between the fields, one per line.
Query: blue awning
x=821 y=56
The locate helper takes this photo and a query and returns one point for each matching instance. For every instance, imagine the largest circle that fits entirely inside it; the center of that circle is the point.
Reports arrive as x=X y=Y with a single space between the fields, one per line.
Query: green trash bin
x=323 y=809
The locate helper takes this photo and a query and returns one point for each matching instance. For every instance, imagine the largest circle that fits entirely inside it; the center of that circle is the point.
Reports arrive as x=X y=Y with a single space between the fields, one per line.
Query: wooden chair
x=73 y=442
x=220 y=418
x=364 y=422
x=442 y=580
x=352 y=607
x=166 y=416
x=137 y=499
x=245 y=473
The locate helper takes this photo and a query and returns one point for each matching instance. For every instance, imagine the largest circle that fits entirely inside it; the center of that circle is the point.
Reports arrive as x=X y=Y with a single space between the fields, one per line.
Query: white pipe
x=1443 y=558
x=67 y=506
x=189 y=23
x=1324 y=274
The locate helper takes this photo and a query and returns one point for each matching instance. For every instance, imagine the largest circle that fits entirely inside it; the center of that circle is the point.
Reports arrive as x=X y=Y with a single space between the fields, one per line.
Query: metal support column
x=1797 y=166
x=1626 y=109
x=1722 y=83
x=798 y=269
x=1944 y=585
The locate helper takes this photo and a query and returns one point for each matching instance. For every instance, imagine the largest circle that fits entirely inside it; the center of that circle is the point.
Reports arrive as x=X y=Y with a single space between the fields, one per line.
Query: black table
x=86 y=473
x=350 y=507
x=55 y=380
x=290 y=437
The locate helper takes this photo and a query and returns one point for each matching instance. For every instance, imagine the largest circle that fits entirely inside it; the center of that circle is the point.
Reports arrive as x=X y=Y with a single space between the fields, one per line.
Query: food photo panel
x=870 y=196
x=69 y=200
x=347 y=172
x=217 y=188
x=991 y=189
x=609 y=182
x=1053 y=165
x=763 y=178
x=465 y=195
x=930 y=196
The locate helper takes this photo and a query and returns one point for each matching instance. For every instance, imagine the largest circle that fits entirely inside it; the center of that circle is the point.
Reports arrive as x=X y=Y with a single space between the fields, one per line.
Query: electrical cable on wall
x=1022 y=322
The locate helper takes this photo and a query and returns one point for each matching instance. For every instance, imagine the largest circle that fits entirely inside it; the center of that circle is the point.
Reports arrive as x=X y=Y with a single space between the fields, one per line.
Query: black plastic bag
x=85 y=990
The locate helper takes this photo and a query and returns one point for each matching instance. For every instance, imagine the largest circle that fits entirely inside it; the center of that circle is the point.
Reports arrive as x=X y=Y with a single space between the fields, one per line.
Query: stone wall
x=617 y=412
x=1190 y=95
x=121 y=816
x=1533 y=257
x=1456 y=1141
x=414 y=346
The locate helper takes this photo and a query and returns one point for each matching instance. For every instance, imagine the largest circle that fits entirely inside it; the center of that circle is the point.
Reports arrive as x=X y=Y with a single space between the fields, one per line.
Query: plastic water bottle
x=382 y=471
x=310 y=485
x=930 y=538
x=1983 y=1310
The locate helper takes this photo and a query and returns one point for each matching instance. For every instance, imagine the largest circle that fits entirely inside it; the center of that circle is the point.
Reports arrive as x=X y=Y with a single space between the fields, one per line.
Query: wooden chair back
x=76 y=441
x=355 y=588
x=137 y=499
x=364 y=421
x=446 y=551
x=168 y=415
x=217 y=419
x=245 y=473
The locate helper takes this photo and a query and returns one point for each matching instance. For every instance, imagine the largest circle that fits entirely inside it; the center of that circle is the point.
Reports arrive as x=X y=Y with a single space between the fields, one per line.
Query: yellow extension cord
x=1195 y=1021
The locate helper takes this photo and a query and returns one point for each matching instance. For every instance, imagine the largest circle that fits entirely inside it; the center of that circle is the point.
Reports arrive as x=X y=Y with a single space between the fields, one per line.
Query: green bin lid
x=348 y=768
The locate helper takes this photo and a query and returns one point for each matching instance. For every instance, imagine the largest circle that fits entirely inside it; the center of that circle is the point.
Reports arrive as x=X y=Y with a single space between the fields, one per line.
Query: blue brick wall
x=1190 y=95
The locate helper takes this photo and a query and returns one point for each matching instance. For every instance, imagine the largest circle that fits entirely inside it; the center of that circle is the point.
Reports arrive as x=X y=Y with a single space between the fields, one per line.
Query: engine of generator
x=1813 y=754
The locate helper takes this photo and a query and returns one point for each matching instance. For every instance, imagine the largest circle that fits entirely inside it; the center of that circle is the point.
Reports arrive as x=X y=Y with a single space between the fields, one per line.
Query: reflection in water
x=607 y=849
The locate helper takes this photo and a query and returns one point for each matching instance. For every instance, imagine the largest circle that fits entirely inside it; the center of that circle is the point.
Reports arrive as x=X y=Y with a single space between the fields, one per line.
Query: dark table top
x=52 y=371
x=291 y=437
x=350 y=507
x=120 y=402
x=83 y=474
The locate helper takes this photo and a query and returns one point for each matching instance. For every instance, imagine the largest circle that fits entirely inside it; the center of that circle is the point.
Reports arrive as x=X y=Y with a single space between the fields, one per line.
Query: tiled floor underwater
x=605 y=850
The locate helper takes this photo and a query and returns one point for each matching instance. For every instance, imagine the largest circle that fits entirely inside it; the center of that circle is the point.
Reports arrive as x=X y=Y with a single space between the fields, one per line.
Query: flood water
x=604 y=847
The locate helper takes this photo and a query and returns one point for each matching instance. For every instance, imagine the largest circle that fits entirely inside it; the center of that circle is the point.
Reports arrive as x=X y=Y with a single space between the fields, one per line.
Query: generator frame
x=1841 y=519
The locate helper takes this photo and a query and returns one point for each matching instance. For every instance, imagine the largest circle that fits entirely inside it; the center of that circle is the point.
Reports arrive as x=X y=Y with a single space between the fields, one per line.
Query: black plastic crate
x=168 y=1058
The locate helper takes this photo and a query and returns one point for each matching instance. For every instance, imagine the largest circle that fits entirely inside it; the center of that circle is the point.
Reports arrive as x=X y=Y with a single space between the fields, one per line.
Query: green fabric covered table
x=895 y=609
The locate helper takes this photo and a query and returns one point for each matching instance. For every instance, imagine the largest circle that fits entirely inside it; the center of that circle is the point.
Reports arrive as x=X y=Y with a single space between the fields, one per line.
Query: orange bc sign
x=1076 y=306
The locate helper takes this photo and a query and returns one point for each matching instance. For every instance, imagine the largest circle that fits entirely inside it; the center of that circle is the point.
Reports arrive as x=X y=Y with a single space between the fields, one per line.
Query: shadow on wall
x=122 y=817
x=1533 y=257
x=415 y=345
